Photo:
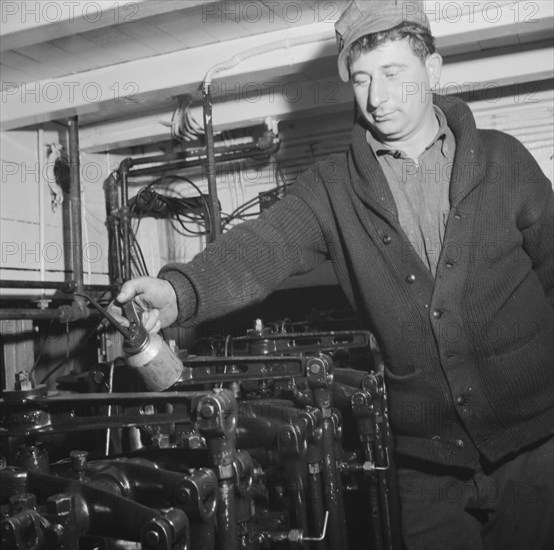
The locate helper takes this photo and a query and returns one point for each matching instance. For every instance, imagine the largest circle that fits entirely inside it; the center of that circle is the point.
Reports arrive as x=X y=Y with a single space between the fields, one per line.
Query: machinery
x=278 y=439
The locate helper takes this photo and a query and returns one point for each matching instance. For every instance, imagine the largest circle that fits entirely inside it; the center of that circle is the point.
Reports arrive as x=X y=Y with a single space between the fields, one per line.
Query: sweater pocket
x=418 y=406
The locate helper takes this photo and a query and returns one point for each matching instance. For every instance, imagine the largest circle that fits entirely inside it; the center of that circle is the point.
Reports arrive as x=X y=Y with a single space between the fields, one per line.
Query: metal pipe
x=316 y=502
x=22 y=313
x=188 y=153
x=179 y=165
x=64 y=314
x=124 y=219
x=76 y=229
x=65 y=286
x=213 y=203
x=41 y=189
x=111 y=194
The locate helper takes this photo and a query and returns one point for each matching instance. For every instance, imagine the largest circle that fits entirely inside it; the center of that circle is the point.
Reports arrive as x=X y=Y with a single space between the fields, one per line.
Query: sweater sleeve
x=248 y=262
x=536 y=221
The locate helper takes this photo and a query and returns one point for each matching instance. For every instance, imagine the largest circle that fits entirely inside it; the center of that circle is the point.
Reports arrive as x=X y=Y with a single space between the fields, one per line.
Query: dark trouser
x=509 y=506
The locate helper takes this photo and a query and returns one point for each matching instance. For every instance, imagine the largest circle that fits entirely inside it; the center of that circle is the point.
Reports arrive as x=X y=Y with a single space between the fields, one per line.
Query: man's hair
x=421 y=41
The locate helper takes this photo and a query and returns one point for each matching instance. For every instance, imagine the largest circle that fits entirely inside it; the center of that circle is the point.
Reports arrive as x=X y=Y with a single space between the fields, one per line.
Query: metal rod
x=198 y=152
x=76 y=228
x=224 y=157
x=111 y=193
x=297 y=484
x=63 y=314
x=319 y=518
x=66 y=286
x=227 y=516
x=36 y=314
x=222 y=154
x=391 y=476
x=213 y=203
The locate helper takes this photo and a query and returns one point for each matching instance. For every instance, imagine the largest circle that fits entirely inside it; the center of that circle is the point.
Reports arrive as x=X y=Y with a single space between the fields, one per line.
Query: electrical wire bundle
x=156 y=200
x=270 y=196
x=154 y=203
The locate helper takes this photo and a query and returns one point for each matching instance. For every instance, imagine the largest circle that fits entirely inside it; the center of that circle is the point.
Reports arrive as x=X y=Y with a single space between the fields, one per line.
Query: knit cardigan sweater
x=469 y=354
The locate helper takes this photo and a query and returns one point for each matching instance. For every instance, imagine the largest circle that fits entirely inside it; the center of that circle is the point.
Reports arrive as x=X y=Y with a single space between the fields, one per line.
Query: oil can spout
x=125 y=331
x=135 y=336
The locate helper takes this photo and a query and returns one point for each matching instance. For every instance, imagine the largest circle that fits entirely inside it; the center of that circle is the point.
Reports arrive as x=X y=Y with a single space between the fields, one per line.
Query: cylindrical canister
x=156 y=364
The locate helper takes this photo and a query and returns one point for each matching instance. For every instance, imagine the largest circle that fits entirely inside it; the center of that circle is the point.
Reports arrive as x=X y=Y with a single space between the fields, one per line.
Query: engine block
x=280 y=441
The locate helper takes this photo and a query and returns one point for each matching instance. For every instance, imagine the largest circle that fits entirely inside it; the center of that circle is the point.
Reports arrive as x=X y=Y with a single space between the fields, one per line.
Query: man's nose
x=377 y=94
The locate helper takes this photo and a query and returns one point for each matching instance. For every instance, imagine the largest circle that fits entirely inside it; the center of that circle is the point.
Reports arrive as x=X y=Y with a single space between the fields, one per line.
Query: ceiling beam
x=148 y=79
x=290 y=99
x=27 y=22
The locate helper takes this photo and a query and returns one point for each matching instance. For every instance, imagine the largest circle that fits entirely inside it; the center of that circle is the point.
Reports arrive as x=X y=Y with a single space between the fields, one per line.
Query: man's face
x=393 y=89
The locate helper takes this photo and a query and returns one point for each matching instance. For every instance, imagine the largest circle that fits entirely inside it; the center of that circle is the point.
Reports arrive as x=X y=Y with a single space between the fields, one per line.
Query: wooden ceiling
x=122 y=67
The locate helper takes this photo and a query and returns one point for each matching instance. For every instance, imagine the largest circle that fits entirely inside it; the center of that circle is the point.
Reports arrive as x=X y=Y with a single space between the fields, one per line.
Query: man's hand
x=155 y=296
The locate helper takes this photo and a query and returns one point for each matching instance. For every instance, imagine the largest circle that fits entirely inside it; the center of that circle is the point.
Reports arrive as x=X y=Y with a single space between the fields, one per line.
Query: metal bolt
x=208 y=410
x=59 y=505
x=161 y=441
x=359 y=400
x=152 y=538
x=78 y=460
x=97 y=376
x=314 y=369
x=295 y=535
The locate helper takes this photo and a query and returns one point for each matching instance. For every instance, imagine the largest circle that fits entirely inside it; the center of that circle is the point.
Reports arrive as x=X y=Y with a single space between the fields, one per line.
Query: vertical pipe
x=41 y=166
x=316 y=504
x=227 y=531
x=391 y=476
x=76 y=230
x=330 y=474
x=215 y=214
x=363 y=409
x=297 y=482
x=124 y=224
x=333 y=488
x=382 y=485
x=111 y=192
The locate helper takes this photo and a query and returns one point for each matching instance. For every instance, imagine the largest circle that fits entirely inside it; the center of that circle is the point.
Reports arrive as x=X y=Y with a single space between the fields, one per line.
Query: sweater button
x=449 y=265
x=460 y=400
x=410 y=278
x=459 y=443
x=457 y=217
x=437 y=314
x=386 y=239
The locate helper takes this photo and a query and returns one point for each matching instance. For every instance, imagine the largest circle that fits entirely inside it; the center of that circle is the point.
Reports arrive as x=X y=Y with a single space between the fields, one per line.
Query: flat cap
x=363 y=17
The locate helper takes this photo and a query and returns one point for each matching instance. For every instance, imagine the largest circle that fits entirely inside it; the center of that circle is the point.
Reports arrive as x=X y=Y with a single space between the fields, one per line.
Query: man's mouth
x=382 y=117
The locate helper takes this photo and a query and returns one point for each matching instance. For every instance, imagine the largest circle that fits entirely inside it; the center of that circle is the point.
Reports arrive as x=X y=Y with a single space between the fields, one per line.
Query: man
x=442 y=238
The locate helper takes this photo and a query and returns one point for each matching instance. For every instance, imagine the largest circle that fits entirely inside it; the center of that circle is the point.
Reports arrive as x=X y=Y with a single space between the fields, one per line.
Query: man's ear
x=433 y=64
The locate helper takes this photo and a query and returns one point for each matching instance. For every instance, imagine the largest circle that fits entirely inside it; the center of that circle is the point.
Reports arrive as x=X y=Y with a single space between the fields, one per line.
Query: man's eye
x=360 y=81
x=391 y=76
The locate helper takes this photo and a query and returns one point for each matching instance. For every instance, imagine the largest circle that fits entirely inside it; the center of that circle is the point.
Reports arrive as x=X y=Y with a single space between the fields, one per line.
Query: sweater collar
x=369 y=180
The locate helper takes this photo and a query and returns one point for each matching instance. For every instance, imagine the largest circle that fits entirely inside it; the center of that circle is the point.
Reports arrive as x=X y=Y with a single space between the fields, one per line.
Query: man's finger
x=150 y=319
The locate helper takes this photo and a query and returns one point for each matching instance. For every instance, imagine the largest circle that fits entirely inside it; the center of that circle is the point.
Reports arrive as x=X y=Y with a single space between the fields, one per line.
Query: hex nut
x=208 y=410
x=59 y=505
x=295 y=535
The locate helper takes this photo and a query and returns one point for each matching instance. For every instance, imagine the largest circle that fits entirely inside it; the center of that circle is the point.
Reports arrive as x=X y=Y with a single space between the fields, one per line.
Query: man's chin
x=382 y=131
